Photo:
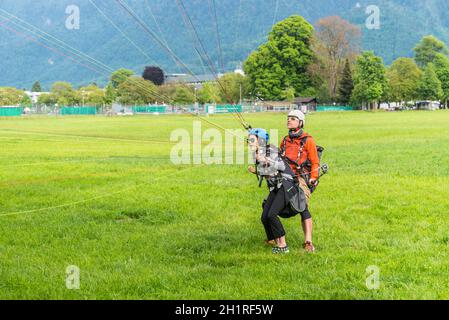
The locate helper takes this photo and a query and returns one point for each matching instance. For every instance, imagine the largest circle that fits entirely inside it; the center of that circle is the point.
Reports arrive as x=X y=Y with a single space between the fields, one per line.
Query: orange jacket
x=309 y=152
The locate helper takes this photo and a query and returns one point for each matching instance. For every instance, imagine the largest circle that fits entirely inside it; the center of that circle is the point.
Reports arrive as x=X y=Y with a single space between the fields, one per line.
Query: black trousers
x=277 y=206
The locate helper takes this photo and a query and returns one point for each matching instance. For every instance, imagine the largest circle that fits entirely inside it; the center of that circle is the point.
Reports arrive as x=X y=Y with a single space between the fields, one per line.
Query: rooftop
x=186 y=78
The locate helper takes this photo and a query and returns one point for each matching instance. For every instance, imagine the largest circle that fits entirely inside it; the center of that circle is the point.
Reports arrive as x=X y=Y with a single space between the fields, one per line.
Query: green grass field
x=139 y=227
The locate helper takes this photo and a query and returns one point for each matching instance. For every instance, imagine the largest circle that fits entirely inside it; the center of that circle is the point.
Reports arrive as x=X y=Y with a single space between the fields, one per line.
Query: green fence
x=333 y=108
x=225 y=108
x=11 y=111
x=68 y=111
x=149 y=109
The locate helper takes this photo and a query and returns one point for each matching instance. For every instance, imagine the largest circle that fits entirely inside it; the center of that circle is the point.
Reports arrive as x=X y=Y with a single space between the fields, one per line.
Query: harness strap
x=301 y=147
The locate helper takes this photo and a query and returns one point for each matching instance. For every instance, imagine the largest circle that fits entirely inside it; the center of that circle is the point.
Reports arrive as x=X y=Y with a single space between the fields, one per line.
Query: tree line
x=326 y=62
x=127 y=88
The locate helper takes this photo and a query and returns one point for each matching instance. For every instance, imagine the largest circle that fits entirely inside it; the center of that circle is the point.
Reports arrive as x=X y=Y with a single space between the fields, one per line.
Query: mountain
x=242 y=26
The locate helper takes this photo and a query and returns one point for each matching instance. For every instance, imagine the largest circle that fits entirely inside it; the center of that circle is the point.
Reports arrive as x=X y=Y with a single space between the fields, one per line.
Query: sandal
x=278 y=250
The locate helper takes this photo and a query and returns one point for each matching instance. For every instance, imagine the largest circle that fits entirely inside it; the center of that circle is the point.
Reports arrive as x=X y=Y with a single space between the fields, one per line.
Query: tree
x=430 y=86
x=11 y=96
x=120 y=76
x=283 y=61
x=36 y=87
x=155 y=75
x=92 y=95
x=209 y=93
x=346 y=84
x=64 y=94
x=26 y=101
x=427 y=49
x=289 y=94
x=168 y=91
x=46 y=99
x=231 y=85
x=369 y=80
x=336 y=41
x=442 y=71
x=136 y=90
x=184 y=96
x=403 y=79
x=110 y=94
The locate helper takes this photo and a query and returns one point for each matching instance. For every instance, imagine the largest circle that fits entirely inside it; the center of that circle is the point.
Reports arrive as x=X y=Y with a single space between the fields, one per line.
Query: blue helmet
x=261 y=134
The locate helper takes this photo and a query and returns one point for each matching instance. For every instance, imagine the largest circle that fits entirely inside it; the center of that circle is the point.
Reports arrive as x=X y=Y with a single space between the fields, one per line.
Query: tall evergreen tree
x=346 y=84
x=36 y=87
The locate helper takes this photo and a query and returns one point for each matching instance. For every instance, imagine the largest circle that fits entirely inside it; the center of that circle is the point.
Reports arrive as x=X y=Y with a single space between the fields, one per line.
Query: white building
x=239 y=70
x=34 y=96
x=428 y=105
x=189 y=79
x=389 y=106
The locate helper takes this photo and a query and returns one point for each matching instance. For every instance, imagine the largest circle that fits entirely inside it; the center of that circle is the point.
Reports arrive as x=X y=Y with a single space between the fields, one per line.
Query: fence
x=11 y=111
x=223 y=108
x=78 y=111
x=333 y=108
x=149 y=109
x=117 y=109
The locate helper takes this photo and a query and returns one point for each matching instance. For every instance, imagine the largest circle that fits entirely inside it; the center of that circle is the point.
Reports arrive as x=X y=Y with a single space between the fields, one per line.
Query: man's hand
x=312 y=182
x=261 y=158
x=252 y=170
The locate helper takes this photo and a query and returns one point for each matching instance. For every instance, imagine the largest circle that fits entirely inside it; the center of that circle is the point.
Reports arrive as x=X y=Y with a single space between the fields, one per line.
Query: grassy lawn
x=101 y=193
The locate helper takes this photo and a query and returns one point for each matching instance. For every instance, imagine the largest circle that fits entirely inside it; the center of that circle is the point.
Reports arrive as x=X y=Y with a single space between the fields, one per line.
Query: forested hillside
x=242 y=26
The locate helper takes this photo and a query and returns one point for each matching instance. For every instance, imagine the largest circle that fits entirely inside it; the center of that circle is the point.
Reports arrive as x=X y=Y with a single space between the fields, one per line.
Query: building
x=428 y=105
x=306 y=104
x=189 y=79
x=239 y=70
x=34 y=96
x=276 y=106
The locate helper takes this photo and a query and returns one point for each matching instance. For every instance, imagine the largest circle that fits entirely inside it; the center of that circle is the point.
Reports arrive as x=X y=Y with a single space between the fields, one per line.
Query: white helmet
x=298 y=114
